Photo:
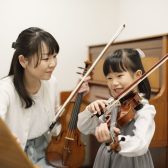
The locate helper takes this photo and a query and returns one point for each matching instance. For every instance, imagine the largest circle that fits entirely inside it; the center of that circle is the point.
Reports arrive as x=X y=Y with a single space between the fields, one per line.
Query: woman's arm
x=4 y=101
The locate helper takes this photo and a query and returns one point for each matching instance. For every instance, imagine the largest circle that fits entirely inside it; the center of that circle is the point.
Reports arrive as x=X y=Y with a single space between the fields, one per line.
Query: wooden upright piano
x=154 y=47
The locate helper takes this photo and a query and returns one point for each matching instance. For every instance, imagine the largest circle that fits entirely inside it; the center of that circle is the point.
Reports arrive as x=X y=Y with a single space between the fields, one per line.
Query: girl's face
x=44 y=68
x=118 y=81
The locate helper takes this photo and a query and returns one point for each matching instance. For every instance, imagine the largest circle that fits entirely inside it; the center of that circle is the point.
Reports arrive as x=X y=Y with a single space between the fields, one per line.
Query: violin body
x=129 y=104
x=126 y=115
x=63 y=152
x=66 y=149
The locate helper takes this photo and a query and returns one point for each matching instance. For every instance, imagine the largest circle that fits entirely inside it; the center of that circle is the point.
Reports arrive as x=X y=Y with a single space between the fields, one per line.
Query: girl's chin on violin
x=116 y=91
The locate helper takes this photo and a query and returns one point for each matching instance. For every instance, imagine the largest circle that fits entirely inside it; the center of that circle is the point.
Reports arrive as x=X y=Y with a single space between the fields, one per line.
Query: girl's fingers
x=97 y=106
x=116 y=130
x=102 y=133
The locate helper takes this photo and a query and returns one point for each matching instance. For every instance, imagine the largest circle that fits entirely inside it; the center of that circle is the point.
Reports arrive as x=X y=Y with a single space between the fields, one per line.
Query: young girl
x=28 y=95
x=120 y=69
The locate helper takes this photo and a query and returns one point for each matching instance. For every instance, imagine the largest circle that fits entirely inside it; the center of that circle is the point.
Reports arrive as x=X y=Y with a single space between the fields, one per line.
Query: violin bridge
x=68 y=138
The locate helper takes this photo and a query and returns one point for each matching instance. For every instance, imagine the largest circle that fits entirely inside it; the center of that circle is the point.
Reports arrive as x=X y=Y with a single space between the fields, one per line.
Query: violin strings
x=73 y=117
x=75 y=111
x=73 y=120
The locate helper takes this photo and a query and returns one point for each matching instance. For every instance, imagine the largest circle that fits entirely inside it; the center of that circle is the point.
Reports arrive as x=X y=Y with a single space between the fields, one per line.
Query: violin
x=67 y=149
x=128 y=106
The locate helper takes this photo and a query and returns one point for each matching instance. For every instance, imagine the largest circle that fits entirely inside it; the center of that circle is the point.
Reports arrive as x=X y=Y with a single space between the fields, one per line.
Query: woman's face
x=45 y=67
x=118 y=81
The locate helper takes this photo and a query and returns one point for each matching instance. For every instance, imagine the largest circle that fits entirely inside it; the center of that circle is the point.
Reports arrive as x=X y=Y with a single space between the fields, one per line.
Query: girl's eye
x=109 y=78
x=119 y=76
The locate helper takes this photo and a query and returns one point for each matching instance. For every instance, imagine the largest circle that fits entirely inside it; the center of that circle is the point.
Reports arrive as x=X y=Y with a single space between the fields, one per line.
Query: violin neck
x=75 y=111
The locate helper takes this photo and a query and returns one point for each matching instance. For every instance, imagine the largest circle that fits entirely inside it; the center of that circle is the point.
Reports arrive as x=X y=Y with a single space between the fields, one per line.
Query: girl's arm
x=138 y=144
x=86 y=123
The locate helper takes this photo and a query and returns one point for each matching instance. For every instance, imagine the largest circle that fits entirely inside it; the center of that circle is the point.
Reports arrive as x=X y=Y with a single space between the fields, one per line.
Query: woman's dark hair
x=127 y=60
x=29 y=43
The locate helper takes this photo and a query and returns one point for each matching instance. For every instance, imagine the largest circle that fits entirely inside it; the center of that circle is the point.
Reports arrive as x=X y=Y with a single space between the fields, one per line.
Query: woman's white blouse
x=135 y=145
x=31 y=122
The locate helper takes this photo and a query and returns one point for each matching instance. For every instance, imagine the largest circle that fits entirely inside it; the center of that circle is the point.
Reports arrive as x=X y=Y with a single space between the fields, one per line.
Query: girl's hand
x=97 y=106
x=116 y=130
x=102 y=133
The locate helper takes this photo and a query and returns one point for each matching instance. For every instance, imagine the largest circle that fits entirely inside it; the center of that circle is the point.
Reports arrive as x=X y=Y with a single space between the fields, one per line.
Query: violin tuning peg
x=92 y=73
x=79 y=73
x=81 y=68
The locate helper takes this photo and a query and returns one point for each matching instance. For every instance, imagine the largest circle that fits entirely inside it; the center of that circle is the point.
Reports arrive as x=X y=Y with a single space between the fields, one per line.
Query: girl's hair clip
x=14 y=45
x=140 y=52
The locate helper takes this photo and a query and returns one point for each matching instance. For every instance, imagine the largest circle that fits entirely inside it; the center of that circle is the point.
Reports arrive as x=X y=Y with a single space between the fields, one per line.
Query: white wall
x=76 y=24
x=143 y=17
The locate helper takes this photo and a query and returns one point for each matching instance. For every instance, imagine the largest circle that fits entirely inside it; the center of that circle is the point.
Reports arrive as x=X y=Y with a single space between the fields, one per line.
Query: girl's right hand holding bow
x=102 y=133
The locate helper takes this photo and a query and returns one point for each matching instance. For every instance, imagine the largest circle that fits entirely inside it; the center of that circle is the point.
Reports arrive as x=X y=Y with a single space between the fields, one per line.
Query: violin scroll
x=115 y=146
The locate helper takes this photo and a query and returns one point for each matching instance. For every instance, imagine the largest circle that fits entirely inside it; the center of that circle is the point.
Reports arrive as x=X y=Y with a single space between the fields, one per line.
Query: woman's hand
x=97 y=106
x=84 y=87
x=17 y=139
x=102 y=133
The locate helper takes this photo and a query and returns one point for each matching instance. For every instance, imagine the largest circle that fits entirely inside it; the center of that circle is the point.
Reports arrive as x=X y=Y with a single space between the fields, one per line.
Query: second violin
x=67 y=149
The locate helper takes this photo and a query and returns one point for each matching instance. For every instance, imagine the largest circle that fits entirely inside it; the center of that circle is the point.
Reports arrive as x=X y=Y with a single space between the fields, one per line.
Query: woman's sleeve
x=86 y=123
x=53 y=91
x=138 y=144
x=4 y=101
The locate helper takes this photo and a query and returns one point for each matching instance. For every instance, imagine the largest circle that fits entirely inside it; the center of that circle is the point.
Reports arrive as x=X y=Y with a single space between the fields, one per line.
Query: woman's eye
x=45 y=59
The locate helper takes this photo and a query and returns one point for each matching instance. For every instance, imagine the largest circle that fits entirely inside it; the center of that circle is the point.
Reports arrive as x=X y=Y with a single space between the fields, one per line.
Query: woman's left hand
x=17 y=139
x=84 y=87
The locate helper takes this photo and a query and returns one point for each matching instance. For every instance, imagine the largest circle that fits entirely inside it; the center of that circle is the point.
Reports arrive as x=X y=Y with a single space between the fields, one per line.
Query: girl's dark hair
x=28 y=43
x=127 y=60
